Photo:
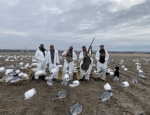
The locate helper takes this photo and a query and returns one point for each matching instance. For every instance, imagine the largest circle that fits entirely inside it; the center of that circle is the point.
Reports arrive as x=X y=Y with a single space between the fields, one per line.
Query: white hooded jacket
x=41 y=60
x=56 y=57
x=40 y=56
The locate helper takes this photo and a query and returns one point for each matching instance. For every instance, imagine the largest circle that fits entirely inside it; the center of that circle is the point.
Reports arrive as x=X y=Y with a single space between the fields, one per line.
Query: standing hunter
x=40 y=56
x=53 y=60
x=70 y=56
x=85 y=65
x=101 y=57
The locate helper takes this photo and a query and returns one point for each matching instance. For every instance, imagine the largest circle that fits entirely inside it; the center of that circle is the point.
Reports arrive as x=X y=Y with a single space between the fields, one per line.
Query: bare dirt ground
x=126 y=101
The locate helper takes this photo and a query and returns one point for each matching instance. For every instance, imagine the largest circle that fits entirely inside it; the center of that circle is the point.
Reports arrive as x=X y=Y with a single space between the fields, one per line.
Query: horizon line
x=74 y=50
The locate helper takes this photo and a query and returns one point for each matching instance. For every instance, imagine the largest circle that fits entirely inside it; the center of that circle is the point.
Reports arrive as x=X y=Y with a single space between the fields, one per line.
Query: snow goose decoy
x=30 y=93
x=125 y=84
x=50 y=82
x=65 y=80
x=134 y=80
x=76 y=109
x=74 y=83
x=61 y=94
x=21 y=63
x=106 y=95
x=107 y=86
x=34 y=64
x=8 y=79
x=125 y=69
x=40 y=72
x=142 y=75
x=2 y=69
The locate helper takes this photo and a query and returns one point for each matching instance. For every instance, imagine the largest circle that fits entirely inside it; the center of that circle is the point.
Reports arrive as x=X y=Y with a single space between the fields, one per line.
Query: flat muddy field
x=132 y=100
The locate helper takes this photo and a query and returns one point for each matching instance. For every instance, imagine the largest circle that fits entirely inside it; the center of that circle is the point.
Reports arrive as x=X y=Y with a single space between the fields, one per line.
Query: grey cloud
x=74 y=22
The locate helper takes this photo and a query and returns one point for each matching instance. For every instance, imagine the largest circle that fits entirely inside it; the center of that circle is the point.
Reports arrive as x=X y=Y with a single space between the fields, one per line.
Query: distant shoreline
x=60 y=51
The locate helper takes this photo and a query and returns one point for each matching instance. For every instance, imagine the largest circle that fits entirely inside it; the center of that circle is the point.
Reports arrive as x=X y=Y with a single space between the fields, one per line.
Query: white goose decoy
x=27 y=65
x=8 y=79
x=18 y=56
x=12 y=66
x=125 y=84
x=34 y=60
x=25 y=76
x=134 y=80
x=17 y=71
x=30 y=93
x=121 y=61
x=15 y=79
x=41 y=72
x=107 y=86
x=61 y=94
x=111 y=73
x=34 y=69
x=108 y=71
x=138 y=67
x=20 y=74
x=50 y=82
x=12 y=60
x=6 y=59
x=137 y=63
x=34 y=64
x=23 y=67
x=8 y=71
x=140 y=71
x=105 y=96
x=53 y=73
x=64 y=82
x=21 y=63
x=142 y=75
x=66 y=77
x=125 y=69
x=74 y=83
x=48 y=78
x=2 y=69
x=75 y=109
x=123 y=66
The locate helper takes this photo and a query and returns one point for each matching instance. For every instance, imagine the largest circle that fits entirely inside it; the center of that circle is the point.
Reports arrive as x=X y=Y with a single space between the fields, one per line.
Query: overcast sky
x=121 y=25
